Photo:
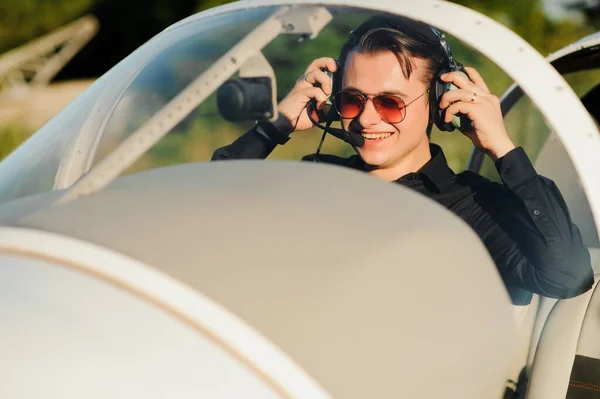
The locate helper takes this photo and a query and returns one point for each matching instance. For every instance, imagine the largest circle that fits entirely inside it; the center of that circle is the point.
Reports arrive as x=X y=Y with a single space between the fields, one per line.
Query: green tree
x=24 y=20
x=126 y=25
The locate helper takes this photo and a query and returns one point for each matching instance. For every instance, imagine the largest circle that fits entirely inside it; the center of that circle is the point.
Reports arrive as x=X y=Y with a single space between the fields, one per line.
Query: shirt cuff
x=515 y=168
x=278 y=131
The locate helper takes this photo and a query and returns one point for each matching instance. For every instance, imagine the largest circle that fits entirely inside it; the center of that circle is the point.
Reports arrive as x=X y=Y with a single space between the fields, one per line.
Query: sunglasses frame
x=367 y=97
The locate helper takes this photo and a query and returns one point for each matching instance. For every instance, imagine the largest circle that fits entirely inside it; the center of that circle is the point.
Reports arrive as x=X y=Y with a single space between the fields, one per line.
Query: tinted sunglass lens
x=391 y=108
x=349 y=105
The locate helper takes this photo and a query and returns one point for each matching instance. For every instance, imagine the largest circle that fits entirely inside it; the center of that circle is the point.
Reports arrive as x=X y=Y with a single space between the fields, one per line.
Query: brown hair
x=405 y=37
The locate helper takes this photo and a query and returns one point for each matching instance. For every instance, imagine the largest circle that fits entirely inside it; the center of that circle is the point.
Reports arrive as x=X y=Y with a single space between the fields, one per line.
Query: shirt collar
x=437 y=169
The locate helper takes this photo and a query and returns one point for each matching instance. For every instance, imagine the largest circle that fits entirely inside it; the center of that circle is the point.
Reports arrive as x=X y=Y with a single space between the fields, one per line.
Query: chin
x=373 y=158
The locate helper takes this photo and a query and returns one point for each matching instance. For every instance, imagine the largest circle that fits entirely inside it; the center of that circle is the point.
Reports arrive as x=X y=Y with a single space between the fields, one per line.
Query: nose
x=369 y=116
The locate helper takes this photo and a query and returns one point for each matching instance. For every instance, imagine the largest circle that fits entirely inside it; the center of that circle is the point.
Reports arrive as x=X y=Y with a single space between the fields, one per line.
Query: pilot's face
x=387 y=143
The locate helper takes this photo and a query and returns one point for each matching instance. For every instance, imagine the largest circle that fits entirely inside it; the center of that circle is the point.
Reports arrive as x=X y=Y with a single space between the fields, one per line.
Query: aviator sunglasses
x=391 y=108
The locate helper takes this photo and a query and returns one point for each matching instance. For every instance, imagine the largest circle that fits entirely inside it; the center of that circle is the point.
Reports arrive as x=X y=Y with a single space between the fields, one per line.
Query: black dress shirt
x=524 y=223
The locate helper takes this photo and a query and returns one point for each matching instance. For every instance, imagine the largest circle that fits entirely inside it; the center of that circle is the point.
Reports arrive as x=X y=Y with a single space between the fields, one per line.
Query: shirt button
x=507 y=171
x=536 y=212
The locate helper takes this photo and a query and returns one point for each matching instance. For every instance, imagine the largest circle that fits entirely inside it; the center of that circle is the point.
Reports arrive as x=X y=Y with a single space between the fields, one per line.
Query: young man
x=388 y=64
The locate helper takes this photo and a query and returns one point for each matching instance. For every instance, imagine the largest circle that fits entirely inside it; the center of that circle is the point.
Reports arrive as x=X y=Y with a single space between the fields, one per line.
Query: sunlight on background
x=548 y=25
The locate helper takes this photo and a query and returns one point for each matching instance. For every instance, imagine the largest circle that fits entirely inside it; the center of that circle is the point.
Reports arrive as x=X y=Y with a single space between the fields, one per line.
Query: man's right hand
x=293 y=106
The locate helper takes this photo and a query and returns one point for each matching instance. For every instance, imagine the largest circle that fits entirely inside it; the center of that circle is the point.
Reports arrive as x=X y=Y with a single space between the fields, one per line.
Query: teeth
x=373 y=136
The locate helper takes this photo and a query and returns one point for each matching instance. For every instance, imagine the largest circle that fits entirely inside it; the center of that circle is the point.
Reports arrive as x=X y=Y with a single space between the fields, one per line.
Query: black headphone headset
x=438 y=87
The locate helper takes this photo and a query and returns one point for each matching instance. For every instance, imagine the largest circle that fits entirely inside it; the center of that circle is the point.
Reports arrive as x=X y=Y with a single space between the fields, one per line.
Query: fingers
x=477 y=79
x=459 y=95
x=320 y=78
x=459 y=79
x=314 y=84
x=459 y=107
x=323 y=62
x=473 y=81
x=315 y=76
x=316 y=93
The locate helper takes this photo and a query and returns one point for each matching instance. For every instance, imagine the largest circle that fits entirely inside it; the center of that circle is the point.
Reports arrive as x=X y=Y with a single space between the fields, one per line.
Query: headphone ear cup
x=436 y=91
x=336 y=84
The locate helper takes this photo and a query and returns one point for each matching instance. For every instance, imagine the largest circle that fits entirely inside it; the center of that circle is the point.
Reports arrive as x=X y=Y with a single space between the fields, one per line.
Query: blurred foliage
x=525 y=124
x=125 y=25
x=11 y=136
x=23 y=20
x=590 y=9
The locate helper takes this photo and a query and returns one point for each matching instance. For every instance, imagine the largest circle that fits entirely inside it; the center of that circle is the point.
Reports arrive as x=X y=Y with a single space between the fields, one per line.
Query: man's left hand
x=473 y=98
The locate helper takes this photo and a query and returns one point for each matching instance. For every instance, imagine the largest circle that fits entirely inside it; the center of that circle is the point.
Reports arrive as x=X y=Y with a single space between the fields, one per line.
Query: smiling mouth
x=376 y=136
